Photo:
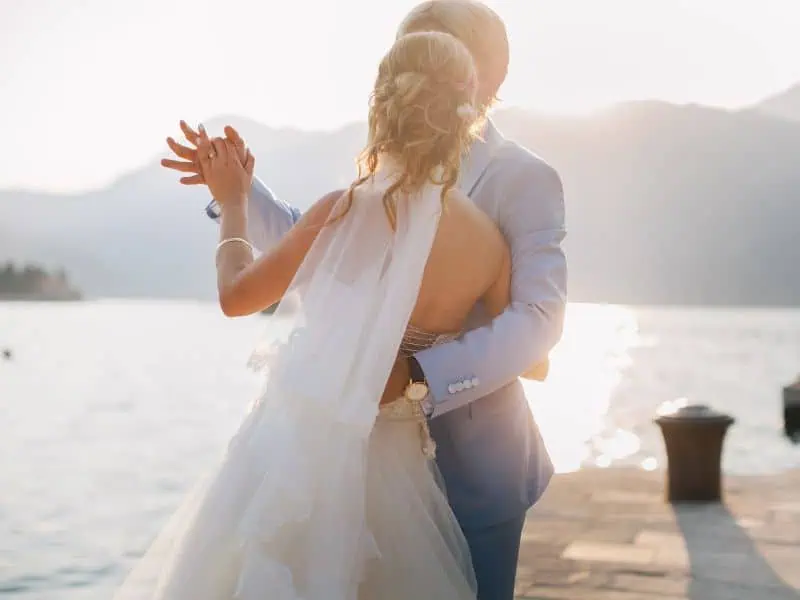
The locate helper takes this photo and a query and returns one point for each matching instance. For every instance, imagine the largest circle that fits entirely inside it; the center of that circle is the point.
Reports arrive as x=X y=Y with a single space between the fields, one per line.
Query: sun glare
x=571 y=407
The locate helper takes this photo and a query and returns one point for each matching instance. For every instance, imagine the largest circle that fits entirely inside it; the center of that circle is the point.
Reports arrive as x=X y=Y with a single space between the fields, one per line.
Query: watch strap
x=415 y=372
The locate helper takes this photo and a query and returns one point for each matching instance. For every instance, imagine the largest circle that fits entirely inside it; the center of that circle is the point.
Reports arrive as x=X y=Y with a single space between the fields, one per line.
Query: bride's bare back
x=469 y=262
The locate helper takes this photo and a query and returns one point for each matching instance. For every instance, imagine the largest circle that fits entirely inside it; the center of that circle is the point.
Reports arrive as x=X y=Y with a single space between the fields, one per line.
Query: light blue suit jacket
x=489 y=449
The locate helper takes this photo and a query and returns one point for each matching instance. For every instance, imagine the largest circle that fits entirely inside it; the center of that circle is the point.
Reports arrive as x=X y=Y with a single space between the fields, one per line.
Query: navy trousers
x=495 y=552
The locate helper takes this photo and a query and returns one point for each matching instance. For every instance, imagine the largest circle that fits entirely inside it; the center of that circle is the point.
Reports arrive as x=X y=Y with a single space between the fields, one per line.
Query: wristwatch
x=418 y=390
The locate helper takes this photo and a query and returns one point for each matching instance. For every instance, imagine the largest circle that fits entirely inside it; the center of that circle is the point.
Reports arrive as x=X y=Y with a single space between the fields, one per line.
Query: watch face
x=416 y=392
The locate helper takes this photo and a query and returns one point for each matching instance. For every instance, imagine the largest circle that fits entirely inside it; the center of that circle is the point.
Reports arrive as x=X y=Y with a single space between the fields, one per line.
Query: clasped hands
x=224 y=164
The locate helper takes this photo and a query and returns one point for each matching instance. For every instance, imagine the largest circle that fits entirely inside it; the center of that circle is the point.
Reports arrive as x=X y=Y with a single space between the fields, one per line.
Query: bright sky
x=90 y=88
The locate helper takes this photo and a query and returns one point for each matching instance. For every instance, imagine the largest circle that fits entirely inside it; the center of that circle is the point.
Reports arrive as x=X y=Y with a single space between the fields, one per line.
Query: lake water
x=110 y=410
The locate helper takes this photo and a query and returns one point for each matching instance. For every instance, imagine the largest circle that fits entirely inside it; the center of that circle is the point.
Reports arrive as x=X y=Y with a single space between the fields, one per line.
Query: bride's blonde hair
x=422 y=115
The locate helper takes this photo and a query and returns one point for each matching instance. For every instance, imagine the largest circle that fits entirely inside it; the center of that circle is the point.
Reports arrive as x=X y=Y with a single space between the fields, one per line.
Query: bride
x=328 y=490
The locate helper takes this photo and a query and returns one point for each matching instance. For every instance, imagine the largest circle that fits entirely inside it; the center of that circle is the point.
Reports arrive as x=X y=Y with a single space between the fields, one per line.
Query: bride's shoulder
x=456 y=201
x=459 y=208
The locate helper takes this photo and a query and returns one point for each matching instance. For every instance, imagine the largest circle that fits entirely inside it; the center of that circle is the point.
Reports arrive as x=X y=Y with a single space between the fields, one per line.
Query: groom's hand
x=191 y=163
x=538 y=372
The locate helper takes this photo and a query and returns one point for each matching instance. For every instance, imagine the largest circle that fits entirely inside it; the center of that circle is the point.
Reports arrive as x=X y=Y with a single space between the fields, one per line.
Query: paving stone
x=622 y=533
x=612 y=553
x=623 y=497
x=657 y=539
x=522 y=587
x=551 y=530
x=594 y=594
x=653 y=585
x=714 y=590
x=786 y=507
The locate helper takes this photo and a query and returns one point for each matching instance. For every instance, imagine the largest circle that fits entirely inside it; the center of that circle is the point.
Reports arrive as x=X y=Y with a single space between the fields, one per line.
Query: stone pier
x=608 y=534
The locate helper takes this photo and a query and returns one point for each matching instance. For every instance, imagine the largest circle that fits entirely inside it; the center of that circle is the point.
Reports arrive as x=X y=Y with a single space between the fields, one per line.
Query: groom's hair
x=478 y=27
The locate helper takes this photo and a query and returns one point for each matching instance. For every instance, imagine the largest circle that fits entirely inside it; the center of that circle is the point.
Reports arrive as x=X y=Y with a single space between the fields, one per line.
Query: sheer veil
x=282 y=515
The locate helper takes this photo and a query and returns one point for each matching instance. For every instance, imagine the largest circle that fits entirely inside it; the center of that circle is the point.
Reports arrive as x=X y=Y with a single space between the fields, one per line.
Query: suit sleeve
x=268 y=217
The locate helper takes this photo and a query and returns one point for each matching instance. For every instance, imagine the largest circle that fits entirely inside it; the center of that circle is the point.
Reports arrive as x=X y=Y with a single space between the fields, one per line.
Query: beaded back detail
x=416 y=339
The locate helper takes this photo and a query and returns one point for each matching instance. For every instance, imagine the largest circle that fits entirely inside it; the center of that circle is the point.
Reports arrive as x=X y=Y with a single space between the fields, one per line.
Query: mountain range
x=666 y=204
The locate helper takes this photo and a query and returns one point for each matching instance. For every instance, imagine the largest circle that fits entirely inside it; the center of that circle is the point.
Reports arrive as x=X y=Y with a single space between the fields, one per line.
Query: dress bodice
x=416 y=339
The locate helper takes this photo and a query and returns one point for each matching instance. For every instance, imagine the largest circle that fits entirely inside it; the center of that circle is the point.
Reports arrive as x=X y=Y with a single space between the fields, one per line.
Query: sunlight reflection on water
x=572 y=407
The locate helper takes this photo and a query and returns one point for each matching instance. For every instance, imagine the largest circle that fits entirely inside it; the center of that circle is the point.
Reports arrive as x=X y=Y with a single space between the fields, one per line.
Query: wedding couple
x=414 y=301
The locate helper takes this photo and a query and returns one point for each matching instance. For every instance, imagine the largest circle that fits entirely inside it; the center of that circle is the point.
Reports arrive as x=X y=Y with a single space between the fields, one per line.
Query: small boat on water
x=791 y=410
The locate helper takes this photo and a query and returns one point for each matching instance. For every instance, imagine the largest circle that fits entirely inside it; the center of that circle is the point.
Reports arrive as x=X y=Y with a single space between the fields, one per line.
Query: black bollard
x=693 y=436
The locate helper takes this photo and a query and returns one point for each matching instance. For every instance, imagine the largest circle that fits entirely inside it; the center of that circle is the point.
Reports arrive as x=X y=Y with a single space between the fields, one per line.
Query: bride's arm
x=245 y=285
x=269 y=218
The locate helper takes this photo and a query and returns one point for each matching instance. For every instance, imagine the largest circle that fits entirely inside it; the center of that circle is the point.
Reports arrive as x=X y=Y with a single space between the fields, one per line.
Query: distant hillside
x=665 y=204
x=785 y=105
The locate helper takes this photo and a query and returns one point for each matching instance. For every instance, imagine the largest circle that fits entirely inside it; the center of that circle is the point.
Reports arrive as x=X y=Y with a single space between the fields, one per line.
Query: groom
x=490 y=452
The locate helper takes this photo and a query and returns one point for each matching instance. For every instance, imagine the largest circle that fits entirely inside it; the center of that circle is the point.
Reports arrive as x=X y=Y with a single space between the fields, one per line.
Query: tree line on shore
x=31 y=280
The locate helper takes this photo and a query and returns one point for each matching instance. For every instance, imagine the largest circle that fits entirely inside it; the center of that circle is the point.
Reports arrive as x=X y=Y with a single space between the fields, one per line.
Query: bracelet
x=237 y=240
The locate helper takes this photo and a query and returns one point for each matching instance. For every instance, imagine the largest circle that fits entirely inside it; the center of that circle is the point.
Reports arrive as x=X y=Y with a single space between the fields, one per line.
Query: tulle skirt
x=290 y=514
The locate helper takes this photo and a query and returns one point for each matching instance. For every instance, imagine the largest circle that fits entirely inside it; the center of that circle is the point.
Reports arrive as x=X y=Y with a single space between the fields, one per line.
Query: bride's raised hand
x=190 y=163
x=228 y=178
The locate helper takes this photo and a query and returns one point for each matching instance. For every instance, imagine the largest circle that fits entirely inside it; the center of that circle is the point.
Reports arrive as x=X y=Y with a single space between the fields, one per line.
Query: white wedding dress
x=322 y=495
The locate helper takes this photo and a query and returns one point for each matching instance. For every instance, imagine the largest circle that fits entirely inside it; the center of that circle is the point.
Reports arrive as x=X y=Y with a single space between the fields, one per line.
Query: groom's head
x=478 y=27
